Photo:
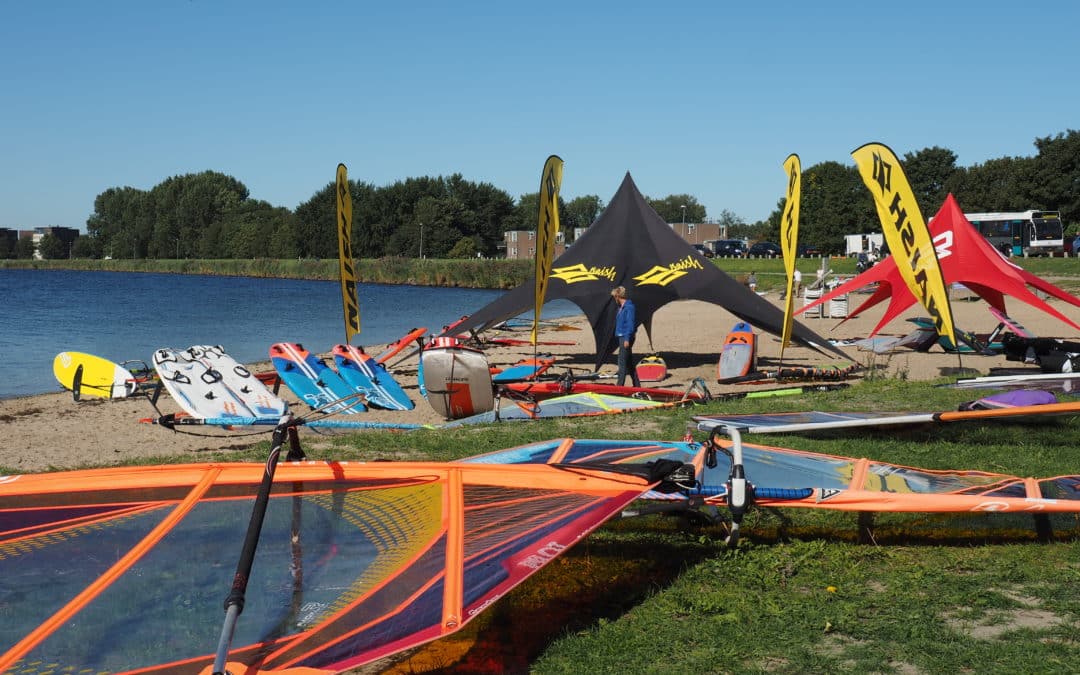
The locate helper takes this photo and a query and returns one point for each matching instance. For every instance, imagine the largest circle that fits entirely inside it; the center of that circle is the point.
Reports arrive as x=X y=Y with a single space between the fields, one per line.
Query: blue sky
x=705 y=98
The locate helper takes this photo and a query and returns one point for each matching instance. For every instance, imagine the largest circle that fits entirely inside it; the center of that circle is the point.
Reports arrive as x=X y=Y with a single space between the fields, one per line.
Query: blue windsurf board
x=366 y=375
x=314 y=382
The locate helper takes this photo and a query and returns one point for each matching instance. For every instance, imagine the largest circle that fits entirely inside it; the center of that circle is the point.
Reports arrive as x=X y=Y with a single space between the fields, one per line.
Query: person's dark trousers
x=626 y=365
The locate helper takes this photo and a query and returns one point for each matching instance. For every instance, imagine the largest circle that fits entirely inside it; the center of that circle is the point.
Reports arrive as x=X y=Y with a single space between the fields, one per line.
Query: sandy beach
x=51 y=431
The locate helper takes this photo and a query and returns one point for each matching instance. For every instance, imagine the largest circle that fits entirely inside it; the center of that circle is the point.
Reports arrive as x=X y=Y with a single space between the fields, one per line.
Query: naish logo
x=882 y=173
x=662 y=275
x=579 y=272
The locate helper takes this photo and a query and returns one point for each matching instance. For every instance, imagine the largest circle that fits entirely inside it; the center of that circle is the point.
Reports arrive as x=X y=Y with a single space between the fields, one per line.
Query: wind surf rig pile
x=125 y=569
x=630 y=245
x=785 y=477
x=738 y=475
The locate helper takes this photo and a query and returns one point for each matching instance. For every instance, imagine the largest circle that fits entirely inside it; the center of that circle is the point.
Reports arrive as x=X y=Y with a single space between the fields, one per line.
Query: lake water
x=124 y=316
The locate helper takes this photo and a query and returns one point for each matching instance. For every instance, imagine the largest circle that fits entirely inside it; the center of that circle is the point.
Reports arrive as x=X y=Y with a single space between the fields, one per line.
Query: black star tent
x=630 y=245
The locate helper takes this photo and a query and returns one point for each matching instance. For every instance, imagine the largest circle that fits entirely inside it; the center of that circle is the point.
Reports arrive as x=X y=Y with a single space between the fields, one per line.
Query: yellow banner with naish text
x=789 y=239
x=906 y=233
x=546 y=229
x=346 y=265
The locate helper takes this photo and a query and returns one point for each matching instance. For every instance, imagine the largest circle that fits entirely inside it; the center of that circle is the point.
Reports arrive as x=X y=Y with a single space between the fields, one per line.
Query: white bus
x=1020 y=233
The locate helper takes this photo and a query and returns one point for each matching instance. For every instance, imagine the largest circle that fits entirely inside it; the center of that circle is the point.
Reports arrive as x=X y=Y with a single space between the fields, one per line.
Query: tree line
x=212 y=215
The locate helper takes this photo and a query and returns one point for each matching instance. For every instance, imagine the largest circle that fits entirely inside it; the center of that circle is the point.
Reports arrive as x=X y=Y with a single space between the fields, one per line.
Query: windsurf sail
x=546 y=229
x=587 y=404
x=346 y=263
x=786 y=477
x=124 y=569
x=569 y=384
x=906 y=232
x=789 y=238
x=794 y=422
x=415 y=335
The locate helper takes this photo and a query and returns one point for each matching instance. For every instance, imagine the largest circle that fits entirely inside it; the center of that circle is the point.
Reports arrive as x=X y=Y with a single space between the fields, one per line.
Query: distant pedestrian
x=798 y=283
x=625 y=331
x=751 y=281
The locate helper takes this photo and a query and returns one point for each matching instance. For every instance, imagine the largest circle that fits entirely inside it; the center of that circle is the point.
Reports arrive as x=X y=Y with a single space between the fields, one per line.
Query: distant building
x=8 y=238
x=521 y=244
x=68 y=235
x=699 y=233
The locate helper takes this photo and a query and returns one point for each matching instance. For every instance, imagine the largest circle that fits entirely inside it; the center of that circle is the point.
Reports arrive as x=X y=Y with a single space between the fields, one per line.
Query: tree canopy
x=212 y=215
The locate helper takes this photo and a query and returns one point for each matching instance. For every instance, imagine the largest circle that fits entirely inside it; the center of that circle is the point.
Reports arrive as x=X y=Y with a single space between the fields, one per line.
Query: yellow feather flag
x=546 y=229
x=906 y=233
x=345 y=257
x=789 y=239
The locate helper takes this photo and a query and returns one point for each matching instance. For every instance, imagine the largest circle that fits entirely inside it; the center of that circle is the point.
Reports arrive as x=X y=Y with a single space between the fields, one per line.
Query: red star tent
x=966 y=258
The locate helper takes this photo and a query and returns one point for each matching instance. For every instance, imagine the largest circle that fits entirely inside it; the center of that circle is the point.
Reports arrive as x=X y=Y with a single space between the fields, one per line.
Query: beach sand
x=52 y=431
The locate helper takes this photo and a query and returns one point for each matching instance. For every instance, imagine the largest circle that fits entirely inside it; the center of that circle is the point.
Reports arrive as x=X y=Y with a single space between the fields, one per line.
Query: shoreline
x=51 y=431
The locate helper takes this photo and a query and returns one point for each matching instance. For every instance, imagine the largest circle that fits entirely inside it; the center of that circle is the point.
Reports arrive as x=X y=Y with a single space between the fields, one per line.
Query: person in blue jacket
x=625 y=331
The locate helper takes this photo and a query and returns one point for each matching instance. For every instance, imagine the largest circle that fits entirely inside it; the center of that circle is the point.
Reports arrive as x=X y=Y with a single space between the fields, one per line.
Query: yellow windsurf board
x=89 y=375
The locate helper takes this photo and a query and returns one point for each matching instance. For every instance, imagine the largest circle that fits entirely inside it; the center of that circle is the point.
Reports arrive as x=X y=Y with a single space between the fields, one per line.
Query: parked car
x=809 y=250
x=764 y=249
x=729 y=248
x=703 y=250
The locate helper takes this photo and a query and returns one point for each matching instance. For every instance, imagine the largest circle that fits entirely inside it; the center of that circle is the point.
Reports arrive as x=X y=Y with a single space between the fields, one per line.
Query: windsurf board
x=314 y=382
x=88 y=375
x=367 y=376
x=738 y=354
x=197 y=387
x=457 y=380
x=248 y=386
x=525 y=369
